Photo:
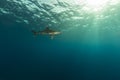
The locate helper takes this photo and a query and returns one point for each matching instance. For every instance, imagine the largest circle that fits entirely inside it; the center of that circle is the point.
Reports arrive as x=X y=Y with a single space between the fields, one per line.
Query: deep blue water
x=24 y=57
x=87 y=49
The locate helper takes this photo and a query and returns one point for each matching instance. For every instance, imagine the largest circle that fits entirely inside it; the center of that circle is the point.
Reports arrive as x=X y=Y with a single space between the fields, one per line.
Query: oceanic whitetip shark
x=47 y=31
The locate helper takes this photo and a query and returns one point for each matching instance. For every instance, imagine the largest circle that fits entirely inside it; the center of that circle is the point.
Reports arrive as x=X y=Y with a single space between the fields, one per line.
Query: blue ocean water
x=24 y=57
x=87 y=49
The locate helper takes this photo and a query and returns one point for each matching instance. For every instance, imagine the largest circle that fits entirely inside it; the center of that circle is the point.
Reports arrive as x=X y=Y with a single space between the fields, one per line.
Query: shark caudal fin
x=34 y=33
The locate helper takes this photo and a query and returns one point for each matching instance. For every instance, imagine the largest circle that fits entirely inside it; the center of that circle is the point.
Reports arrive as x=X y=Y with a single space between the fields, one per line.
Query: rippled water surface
x=88 y=47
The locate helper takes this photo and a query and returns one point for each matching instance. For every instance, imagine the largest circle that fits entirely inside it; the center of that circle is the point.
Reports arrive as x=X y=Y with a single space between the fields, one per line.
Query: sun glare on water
x=96 y=5
x=93 y=5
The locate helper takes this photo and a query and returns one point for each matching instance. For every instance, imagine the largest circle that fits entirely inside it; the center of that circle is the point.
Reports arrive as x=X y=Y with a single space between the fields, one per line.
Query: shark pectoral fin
x=52 y=36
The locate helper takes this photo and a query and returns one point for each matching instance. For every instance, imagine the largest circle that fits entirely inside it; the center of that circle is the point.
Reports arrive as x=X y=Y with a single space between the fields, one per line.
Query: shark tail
x=34 y=33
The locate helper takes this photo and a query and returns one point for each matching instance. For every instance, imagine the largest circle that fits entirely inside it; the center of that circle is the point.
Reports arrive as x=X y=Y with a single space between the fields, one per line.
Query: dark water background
x=69 y=56
x=23 y=57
